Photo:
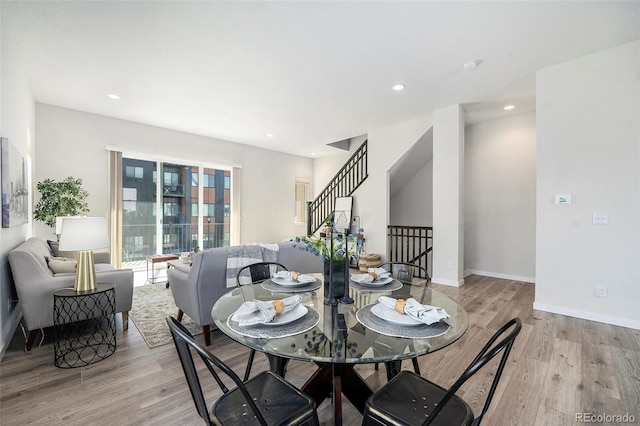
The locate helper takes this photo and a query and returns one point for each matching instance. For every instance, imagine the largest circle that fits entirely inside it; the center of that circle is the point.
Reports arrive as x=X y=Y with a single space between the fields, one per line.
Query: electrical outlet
x=601 y=291
x=450 y=265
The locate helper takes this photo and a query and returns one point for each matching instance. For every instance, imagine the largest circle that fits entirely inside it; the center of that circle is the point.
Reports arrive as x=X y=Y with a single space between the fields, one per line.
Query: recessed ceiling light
x=269 y=135
x=313 y=154
x=398 y=87
x=470 y=65
x=112 y=96
x=509 y=107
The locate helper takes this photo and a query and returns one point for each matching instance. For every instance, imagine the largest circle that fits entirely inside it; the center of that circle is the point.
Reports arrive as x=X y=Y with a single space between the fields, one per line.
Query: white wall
x=16 y=124
x=448 y=201
x=588 y=113
x=72 y=143
x=412 y=204
x=386 y=146
x=500 y=198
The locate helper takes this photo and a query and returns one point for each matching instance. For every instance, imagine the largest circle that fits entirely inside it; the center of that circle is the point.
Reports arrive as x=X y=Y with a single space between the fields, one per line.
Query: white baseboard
x=14 y=327
x=592 y=316
x=443 y=281
x=468 y=272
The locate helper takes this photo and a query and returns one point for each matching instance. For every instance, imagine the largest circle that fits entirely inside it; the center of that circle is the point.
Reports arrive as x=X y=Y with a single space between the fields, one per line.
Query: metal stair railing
x=412 y=244
x=343 y=184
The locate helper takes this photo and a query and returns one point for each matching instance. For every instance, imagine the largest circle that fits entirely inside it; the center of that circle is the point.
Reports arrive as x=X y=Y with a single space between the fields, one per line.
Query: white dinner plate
x=302 y=280
x=359 y=279
x=296 y=313
x=390 y=315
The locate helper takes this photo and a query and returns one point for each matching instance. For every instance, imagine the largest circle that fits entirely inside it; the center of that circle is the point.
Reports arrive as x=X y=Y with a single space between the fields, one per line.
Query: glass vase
x=338 y=277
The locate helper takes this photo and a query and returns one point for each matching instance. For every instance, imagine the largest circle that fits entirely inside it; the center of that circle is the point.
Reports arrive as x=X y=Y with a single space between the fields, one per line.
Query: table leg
x=167 y=284
x=354 y=387
x=277 y=364
x=319 y=385
x=326 y=380
x=393 y=368
x=337 y=395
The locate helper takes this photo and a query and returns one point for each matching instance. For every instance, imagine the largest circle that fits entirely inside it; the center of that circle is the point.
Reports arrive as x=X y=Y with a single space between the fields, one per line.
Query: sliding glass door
x=193 y=211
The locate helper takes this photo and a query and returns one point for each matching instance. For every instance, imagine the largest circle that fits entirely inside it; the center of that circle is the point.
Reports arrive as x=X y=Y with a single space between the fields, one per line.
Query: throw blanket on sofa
x=244 y=255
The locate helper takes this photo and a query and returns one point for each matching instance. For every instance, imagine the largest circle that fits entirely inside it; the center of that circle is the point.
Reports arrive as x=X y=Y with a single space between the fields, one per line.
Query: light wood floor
x=559 y=366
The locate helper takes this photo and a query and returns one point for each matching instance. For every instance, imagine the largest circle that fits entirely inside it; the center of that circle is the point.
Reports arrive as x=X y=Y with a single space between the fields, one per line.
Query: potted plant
x=64 y=198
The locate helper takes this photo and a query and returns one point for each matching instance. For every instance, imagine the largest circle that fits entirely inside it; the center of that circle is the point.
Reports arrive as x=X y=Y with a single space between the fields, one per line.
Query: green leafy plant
x=322 y=246
x=64 y=198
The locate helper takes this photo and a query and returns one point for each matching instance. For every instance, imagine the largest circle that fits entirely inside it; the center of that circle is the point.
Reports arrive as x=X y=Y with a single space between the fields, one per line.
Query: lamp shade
x=83 y=233
x=59 y=220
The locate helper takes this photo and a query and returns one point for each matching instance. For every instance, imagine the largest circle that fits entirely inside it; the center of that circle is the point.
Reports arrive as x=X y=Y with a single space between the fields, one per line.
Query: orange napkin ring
x=400 y=306
x=294 y=276
x=374 y=275
x=278 y=305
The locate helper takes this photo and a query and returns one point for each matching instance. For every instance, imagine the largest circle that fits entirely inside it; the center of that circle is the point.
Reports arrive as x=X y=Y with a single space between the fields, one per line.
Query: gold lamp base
x=85 y=272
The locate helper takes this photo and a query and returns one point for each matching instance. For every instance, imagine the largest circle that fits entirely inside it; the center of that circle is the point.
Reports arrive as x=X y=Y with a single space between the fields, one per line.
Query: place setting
x=404 y=318
x=273 y=318
x=291 y=282
x=375 y=279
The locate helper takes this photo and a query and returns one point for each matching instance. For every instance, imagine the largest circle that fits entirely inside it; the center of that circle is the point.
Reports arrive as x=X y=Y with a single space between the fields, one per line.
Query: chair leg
x=247 y=372
x=376 y=367
x=206 y=330
x=125 y=320
x=31 y=338
x=416 y=367
x=180 y=314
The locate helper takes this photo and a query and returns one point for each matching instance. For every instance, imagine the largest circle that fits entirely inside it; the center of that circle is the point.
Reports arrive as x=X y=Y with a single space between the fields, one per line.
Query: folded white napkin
x=260 y=312
x=368 y=278
x=288 y=275
x=425 y=313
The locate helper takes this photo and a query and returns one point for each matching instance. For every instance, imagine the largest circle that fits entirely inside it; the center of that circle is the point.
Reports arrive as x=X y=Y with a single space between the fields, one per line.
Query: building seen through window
x=183 y=216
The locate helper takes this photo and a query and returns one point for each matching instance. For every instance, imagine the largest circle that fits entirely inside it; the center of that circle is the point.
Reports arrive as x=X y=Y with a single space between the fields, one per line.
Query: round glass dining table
x=336 y=338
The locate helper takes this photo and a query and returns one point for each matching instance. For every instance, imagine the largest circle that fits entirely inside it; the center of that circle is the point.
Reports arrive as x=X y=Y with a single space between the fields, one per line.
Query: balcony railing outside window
x=140 y=240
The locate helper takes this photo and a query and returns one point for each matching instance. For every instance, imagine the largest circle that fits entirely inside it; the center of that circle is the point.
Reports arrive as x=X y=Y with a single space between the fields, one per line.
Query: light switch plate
x=600 y=218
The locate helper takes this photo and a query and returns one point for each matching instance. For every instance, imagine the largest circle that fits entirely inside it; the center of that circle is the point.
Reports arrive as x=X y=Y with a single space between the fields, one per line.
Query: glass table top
x=327 y=342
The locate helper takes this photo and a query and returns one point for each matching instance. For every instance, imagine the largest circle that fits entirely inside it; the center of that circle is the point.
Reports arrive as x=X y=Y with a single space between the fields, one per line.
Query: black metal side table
x=84 y=325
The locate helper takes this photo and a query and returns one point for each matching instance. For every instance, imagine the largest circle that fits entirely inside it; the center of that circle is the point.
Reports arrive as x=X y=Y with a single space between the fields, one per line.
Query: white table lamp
x=84 y=234
x=59 y=220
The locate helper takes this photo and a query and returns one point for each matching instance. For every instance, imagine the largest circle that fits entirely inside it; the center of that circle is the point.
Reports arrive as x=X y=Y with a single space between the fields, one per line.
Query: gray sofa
x=195 y=292
x=35 y=283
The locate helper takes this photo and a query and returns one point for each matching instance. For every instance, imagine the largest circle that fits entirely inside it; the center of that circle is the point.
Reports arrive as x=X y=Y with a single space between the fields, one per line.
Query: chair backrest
x=185 y=342
x=258 y=272
x=488 y=352
x=405 y=271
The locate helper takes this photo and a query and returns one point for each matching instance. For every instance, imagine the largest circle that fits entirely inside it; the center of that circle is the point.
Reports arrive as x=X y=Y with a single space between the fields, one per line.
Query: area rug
x=151 y=305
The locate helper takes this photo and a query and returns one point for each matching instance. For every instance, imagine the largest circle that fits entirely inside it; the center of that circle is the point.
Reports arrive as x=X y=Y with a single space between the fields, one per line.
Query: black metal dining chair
x=257 y=273
x=405 y=272
x=409 y=399
x=266 y=399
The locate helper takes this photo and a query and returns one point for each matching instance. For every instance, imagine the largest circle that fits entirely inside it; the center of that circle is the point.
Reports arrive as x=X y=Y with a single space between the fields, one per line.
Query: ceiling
x=307 y=73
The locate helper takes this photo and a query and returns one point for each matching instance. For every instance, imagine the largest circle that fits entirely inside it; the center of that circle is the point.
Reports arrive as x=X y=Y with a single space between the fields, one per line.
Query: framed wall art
x=15 y=192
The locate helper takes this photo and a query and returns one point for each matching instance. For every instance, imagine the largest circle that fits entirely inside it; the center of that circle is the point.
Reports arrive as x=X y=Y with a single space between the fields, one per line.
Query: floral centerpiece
x=336 y=251
x=328 y=249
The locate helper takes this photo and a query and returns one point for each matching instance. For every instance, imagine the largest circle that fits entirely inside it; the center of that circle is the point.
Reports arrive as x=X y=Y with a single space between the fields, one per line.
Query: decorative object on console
x=84 y=234
x=369 y=260
x=14 y=186
x=64 y=198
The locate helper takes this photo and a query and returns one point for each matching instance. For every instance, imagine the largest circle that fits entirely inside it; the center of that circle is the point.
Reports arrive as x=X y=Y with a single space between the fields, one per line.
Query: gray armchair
x=195 y=292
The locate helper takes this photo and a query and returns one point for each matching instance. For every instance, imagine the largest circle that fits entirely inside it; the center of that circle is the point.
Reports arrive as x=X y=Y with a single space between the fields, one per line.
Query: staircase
x=343 y=184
